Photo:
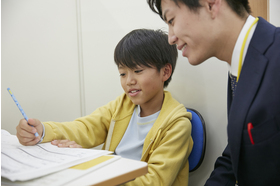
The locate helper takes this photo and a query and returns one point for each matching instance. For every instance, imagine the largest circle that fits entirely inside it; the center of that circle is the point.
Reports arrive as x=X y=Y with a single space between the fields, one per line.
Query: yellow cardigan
x=166 y=148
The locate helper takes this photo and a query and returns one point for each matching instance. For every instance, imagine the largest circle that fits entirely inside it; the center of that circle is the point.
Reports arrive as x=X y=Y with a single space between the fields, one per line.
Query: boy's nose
x=131 y=80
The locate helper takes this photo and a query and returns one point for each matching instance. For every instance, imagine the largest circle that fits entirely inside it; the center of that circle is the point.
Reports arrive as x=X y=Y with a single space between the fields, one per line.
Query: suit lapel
x=250 y=79
x=249 y=82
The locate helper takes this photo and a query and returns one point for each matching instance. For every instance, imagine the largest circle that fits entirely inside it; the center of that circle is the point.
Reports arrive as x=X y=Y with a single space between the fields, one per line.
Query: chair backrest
x=199 y=138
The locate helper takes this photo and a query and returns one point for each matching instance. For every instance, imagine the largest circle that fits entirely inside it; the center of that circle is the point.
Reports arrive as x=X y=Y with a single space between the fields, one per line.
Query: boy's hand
x=26 y=133
x=66 y=143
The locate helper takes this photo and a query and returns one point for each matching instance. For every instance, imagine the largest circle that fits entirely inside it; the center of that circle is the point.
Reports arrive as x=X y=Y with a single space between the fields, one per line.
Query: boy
x=226 y=30
x=145 y=123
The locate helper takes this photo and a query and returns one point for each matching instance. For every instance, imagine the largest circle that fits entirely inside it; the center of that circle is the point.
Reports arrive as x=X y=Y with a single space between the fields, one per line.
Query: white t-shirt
x=131 y=145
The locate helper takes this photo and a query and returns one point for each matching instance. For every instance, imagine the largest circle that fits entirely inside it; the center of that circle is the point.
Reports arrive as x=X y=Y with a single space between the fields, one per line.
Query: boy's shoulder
x=170 y=104
x=169 y=100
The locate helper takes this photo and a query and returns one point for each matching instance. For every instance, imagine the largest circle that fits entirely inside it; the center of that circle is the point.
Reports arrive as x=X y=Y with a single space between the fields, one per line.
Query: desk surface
x=117 y=172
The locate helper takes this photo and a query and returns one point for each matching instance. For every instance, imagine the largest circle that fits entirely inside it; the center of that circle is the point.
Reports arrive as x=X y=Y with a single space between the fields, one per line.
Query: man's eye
x=170 y=21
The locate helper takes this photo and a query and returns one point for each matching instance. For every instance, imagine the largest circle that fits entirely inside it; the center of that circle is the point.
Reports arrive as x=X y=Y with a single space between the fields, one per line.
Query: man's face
x=190 y=30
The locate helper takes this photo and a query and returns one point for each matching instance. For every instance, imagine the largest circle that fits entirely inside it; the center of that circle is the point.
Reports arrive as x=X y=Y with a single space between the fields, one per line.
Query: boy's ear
x=167 y=70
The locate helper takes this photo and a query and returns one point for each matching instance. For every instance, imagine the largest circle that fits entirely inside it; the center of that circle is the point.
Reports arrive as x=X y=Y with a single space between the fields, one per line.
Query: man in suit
x=251 y=47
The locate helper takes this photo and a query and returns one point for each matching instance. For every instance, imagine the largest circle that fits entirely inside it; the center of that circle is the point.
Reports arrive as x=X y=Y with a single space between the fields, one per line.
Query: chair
x=199 y=138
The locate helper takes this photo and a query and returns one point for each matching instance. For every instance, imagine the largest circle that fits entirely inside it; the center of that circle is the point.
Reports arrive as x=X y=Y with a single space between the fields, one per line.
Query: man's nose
x=172 y=39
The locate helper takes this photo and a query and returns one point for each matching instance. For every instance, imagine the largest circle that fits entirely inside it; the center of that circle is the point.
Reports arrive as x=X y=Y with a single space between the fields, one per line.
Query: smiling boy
x=144 y=123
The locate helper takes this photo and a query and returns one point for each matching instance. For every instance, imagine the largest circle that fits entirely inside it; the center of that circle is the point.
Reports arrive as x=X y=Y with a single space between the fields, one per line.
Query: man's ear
x=167 y=70
x=213 y=7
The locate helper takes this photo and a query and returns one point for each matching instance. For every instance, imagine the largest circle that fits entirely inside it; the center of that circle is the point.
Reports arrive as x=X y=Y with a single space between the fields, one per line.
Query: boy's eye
x=123 y=74
x=138 y=71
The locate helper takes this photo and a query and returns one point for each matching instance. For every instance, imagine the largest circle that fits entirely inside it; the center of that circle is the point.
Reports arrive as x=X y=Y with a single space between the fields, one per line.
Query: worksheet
x=66 y=176
x=23 y=163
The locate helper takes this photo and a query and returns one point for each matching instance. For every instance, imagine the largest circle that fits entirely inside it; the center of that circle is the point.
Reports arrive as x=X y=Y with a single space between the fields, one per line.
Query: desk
x=114 y=173
x=117 y=172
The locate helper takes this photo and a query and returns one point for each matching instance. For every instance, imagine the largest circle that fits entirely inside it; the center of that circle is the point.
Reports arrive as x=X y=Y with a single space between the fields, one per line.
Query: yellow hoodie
x=166 y=148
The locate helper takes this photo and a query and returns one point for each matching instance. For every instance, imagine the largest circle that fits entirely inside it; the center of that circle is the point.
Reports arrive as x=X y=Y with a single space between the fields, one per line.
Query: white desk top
x=117 y=172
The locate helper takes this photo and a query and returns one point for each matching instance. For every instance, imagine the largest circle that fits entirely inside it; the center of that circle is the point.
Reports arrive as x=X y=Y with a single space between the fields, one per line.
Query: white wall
x=104 y=23
x=39 y=60
x=274 y=13
x=44 y=44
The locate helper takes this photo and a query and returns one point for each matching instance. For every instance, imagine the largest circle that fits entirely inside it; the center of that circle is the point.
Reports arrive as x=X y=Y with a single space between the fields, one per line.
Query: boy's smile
x=133 y=92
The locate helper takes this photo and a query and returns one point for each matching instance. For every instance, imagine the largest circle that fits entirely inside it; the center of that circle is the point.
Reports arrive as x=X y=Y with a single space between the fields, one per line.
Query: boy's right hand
x=26 y=133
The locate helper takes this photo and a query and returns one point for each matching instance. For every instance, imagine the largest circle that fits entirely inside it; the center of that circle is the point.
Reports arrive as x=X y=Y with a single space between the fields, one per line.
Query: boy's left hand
x=66 y=143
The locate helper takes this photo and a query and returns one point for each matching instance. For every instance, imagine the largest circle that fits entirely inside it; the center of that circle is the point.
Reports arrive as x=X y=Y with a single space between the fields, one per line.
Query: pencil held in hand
x=19 y=107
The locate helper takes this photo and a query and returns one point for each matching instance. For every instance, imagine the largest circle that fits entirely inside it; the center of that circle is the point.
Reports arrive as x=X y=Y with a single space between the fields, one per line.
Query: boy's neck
x=152 y=107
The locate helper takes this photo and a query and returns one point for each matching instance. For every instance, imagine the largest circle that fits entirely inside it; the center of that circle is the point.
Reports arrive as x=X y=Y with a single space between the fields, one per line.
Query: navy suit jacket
x=256 y=101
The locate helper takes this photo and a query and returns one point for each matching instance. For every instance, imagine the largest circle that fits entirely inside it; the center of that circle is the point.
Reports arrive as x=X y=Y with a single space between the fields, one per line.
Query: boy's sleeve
x=43 y=134
x=87 y=131
x=169 y=157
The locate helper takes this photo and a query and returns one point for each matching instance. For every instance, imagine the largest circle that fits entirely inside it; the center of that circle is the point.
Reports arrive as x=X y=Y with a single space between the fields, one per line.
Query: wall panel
x=39 y=61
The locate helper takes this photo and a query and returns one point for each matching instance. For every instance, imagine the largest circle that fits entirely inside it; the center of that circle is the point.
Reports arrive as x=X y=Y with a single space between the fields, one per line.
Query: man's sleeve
x=222 y=174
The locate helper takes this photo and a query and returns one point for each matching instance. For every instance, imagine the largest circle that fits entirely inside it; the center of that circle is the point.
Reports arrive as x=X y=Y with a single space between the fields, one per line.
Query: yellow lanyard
x=242 y=48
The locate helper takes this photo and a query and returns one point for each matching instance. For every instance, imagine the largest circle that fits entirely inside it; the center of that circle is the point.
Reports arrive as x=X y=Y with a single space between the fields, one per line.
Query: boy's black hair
x=146 y=47
x=238 y=6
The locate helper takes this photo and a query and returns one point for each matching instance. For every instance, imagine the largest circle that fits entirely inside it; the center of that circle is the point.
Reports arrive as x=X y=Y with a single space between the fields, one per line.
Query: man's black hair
x=240 y=7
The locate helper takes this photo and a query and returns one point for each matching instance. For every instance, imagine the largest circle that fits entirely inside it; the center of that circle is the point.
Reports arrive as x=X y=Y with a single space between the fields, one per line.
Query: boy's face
x=190 y=30
x=143 y=85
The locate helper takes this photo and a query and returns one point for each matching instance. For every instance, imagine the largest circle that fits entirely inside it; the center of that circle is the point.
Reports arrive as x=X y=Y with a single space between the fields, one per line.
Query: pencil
x=19 y=107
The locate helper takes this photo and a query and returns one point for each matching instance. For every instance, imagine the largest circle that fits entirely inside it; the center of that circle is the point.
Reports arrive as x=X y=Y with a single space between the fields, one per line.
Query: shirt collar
x=233 y=68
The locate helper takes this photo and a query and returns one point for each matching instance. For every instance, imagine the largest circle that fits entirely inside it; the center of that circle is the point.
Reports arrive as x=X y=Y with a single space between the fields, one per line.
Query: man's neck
x=232 y=26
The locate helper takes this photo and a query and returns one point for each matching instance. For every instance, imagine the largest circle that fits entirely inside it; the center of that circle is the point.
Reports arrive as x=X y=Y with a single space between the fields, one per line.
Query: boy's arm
x=169 y=157
x=87 y=131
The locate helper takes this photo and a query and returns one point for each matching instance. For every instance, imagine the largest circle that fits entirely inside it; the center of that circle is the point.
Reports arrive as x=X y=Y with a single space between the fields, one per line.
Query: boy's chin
x=135 y=102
